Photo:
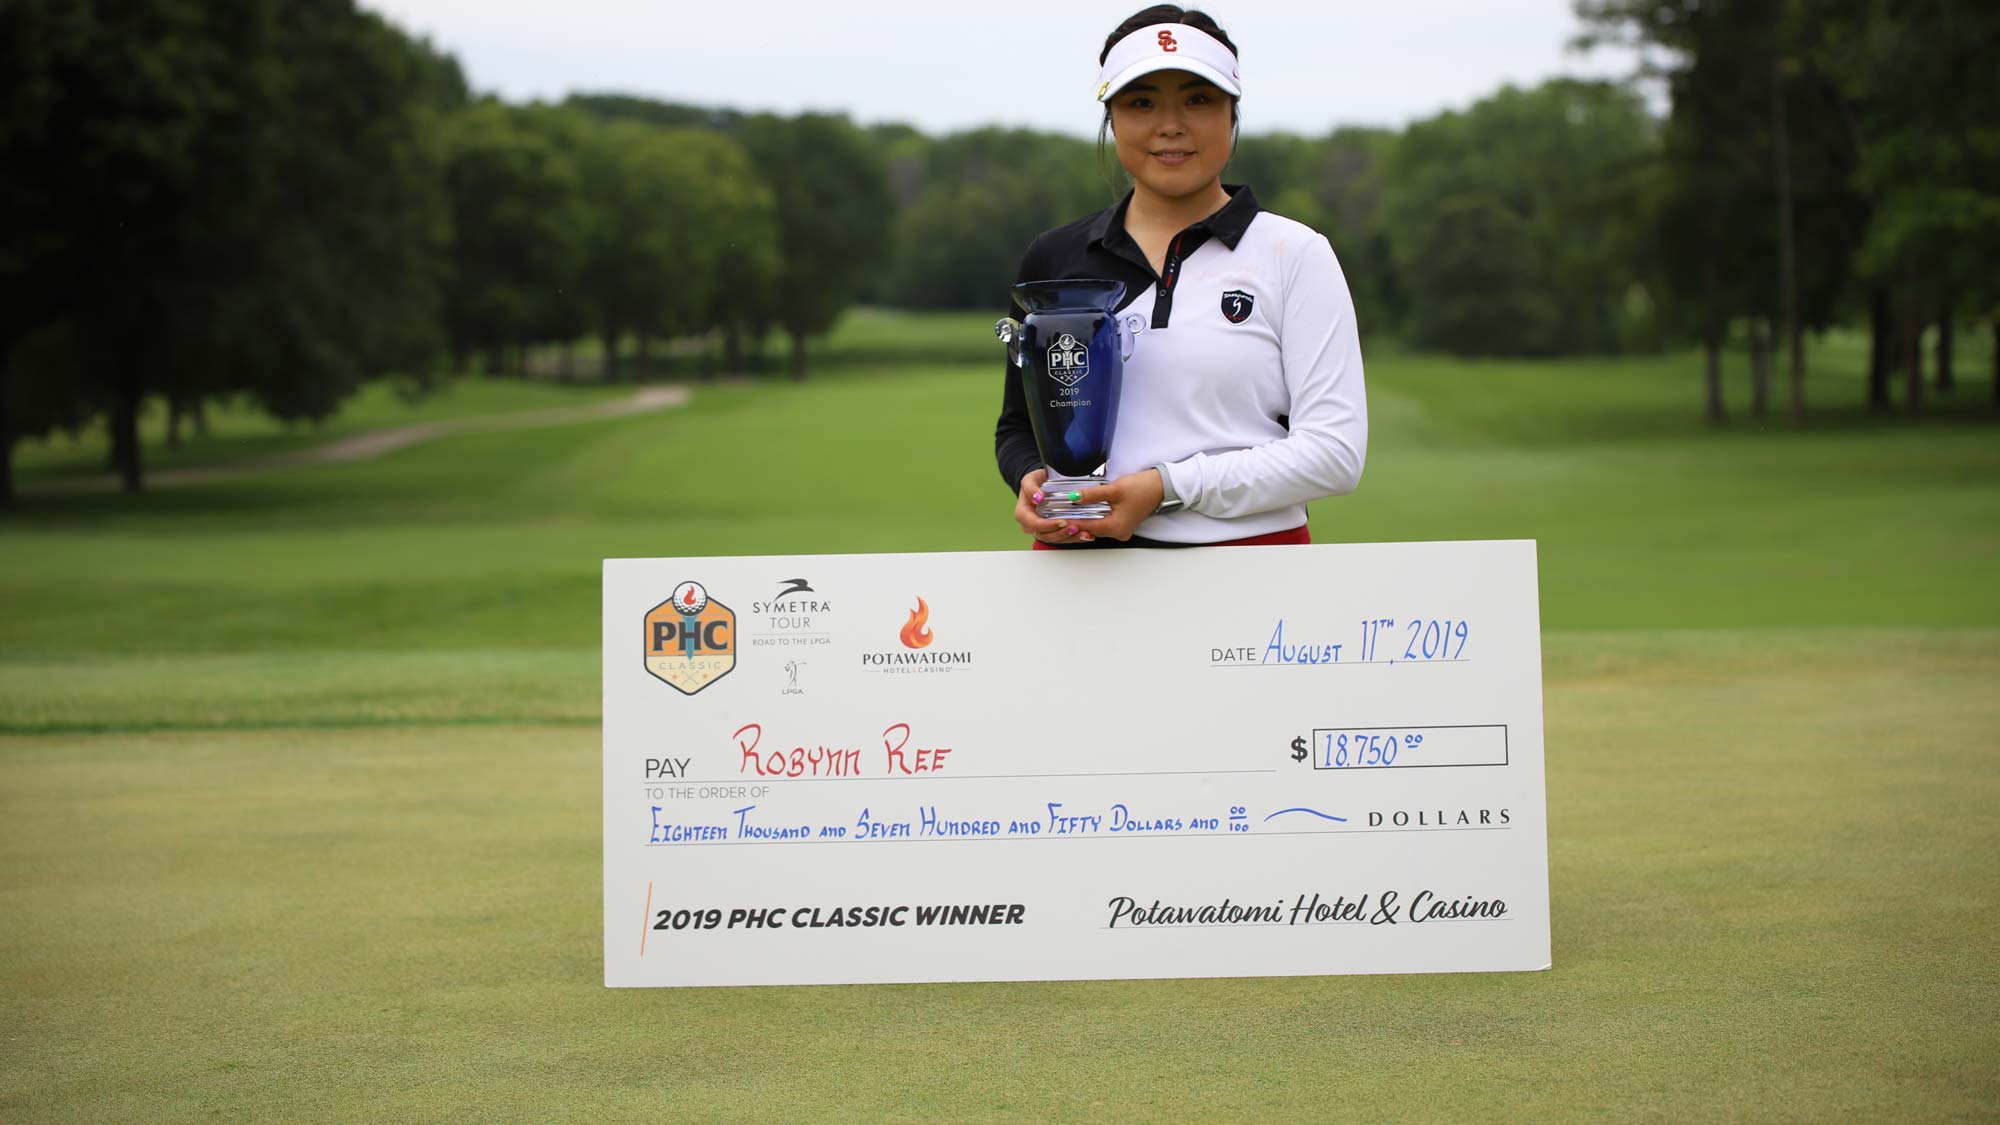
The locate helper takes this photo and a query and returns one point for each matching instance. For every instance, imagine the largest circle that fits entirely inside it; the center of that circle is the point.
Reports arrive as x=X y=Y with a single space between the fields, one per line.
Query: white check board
x=1244 y=761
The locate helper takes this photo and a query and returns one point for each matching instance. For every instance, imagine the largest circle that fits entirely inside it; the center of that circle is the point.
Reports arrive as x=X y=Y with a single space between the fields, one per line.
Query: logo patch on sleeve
x=1236 y=305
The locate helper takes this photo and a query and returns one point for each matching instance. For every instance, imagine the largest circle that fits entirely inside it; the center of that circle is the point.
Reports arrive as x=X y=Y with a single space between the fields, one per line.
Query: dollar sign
x=1299 y=749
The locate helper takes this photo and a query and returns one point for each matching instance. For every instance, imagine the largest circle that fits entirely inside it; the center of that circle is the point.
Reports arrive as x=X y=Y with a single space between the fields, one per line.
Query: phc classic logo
x=690 y=639
x=1069 y=360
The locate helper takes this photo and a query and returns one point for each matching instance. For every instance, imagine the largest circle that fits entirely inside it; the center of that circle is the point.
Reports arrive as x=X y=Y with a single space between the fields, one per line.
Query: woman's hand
x=1048 y=531
x=1132 y=497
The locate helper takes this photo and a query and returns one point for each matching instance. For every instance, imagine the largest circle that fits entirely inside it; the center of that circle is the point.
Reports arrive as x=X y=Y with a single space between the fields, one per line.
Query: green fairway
x=299 y=773
x=240 y=433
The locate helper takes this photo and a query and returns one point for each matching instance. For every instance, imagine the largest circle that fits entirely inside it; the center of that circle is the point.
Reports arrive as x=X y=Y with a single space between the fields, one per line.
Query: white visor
x=1168 y=46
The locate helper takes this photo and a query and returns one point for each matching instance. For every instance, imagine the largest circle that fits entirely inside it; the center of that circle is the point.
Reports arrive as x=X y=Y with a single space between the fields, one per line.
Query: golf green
x=1772 y=857
x=299 y=794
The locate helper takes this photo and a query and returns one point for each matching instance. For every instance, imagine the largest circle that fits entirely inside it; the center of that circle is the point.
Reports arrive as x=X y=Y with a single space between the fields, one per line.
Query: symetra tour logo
x=690 y=639
x=1069 y=360
x=794 y=617
x=917 y=655
x=1236 y=305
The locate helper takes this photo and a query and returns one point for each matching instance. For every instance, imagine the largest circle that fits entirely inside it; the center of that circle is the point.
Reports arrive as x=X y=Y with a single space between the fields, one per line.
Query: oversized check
x=1243 y=761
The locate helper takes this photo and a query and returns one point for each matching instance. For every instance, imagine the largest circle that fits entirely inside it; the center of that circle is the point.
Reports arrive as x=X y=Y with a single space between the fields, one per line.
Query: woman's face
x=1172 y=129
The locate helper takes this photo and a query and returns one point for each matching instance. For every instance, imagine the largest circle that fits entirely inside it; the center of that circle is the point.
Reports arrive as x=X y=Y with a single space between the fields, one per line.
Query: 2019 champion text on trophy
x=1071 y=351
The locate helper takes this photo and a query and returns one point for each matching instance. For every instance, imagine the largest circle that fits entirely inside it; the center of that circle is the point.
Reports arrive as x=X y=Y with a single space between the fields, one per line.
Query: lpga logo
x=1069 y=361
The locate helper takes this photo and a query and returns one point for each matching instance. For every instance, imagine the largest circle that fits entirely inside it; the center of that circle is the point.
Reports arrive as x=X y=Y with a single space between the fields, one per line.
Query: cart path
x=379 y=443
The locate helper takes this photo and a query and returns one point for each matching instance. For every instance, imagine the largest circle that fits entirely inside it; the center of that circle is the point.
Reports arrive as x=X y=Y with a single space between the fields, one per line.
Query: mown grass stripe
x=325 y=722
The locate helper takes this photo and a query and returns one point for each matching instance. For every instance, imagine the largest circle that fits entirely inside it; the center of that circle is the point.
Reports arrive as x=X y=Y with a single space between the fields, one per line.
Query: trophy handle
x=1009 y=331
x=1129 y=328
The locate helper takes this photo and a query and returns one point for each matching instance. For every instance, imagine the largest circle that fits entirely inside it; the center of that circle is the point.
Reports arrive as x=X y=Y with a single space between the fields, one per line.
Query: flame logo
x=914 y=634
x=689 y=599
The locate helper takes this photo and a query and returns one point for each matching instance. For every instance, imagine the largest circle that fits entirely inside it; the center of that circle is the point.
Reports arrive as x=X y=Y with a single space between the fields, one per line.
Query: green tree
x=742 y=212
x=519 y=224
x=238 y=195
x=38 y=261
x=342 y=250
x=742 y=296
x=1715 y=249
x=31 y=407
x=646 y=111
x=979 y=198
x=120 y=137
x=680 y=227
x=1274 y=163
x=639 y=191
x=1350 y=192
x=1546 y=181
x=1753 y=214
x=834 y=216
x=1918 y=77
x=1478 y=280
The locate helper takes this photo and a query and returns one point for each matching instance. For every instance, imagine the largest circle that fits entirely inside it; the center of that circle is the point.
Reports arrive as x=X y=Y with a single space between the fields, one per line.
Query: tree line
x=1824 y=161
x=279 y=199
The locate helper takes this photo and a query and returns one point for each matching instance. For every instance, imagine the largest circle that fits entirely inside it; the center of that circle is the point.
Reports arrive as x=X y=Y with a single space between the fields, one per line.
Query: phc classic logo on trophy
x=1071 y=351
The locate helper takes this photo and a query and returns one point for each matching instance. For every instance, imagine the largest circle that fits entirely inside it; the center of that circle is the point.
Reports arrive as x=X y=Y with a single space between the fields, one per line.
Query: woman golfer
x=1244 y=399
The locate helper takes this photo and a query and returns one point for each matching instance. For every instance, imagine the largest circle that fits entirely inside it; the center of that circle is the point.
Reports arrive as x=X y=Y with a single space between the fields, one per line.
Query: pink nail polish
x=1071 y=530
x=1038 y=496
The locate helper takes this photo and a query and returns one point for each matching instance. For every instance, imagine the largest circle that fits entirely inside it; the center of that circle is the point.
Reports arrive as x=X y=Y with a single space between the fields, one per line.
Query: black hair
x=1165 y=13
x=1147 y=17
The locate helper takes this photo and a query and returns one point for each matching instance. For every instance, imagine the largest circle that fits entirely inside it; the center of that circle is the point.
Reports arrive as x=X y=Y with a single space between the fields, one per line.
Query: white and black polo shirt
x=1246 y=383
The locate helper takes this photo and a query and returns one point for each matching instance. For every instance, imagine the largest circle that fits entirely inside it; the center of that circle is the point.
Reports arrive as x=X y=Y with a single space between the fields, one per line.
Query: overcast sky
x=944 y=65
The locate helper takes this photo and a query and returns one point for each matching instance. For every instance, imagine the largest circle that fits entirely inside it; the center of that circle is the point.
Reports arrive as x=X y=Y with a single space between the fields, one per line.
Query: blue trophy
x=1071 y=351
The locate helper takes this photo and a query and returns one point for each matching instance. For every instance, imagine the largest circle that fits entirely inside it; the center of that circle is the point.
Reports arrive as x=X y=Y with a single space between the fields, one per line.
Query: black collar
x=1227 y=224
